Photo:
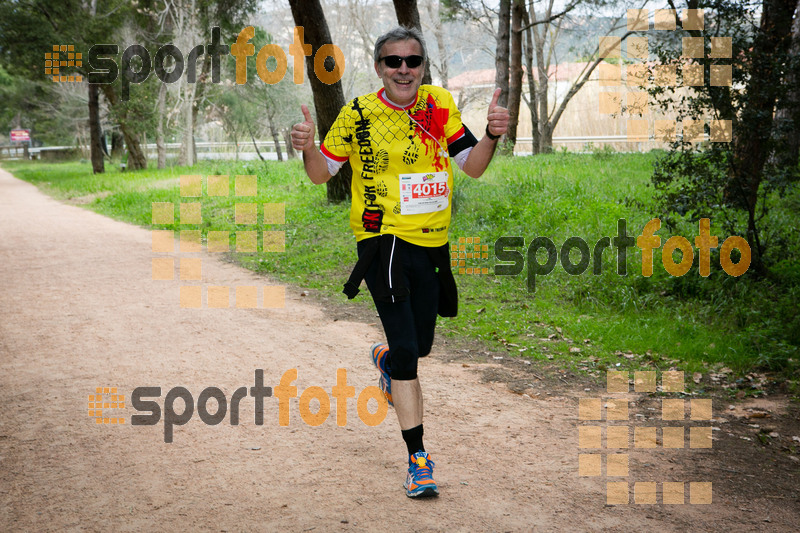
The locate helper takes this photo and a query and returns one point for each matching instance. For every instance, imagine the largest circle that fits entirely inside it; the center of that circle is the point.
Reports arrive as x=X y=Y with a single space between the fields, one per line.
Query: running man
x=399 y=141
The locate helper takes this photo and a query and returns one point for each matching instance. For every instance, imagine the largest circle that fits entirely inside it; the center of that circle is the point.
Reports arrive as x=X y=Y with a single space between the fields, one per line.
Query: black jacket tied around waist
x=389 y=282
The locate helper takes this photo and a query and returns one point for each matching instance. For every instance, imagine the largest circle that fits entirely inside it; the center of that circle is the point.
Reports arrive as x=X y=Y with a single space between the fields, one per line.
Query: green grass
x=564 y=195
x=658 y=322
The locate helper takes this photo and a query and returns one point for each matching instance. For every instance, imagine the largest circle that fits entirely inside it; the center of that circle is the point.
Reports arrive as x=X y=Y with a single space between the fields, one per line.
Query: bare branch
x=582 y=79
x=551 y=18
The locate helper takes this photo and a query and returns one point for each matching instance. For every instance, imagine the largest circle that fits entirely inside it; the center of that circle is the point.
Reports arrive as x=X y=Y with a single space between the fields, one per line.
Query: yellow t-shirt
x=387 y=144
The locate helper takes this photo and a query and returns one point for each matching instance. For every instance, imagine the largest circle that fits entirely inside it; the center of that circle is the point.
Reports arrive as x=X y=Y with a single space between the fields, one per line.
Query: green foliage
x=254 y=107
x=741 y=182
x=699 y=193
x=27 y=31
x=31 y=104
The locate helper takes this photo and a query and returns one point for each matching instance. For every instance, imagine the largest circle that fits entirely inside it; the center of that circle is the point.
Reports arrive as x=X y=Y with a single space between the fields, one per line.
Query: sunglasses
x=396 y=61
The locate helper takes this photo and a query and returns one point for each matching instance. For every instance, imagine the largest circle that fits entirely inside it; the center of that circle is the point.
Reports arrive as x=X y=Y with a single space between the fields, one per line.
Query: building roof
x=486 y=77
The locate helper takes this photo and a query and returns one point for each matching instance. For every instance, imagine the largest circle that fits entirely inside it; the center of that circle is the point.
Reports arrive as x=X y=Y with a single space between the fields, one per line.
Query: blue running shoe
x=419 y=482
x=380 y=358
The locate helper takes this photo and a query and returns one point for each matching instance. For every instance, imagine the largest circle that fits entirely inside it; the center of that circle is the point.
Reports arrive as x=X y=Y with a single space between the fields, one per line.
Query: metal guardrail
x=268 y=147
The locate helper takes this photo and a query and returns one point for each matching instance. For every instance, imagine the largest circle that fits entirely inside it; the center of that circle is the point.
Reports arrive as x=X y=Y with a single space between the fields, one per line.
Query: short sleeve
x=459 y=139
x=454 y=128
x=338 y=143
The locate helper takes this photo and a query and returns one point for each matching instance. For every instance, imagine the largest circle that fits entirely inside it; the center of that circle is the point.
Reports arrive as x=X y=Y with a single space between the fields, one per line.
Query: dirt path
x=78 y=310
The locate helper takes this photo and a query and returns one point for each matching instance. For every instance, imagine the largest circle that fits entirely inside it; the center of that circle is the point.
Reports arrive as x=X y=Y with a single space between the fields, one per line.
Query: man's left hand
x=497 y=117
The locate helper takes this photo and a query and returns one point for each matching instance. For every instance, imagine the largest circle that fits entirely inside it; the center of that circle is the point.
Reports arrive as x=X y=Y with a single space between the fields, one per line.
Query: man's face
x=401 y=84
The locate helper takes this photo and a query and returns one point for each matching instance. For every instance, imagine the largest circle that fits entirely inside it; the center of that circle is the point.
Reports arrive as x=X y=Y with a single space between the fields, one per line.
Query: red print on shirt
x=433 y=119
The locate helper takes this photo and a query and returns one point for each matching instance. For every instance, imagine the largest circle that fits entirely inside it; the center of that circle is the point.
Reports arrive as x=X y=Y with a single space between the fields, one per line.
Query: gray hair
x=400 y=33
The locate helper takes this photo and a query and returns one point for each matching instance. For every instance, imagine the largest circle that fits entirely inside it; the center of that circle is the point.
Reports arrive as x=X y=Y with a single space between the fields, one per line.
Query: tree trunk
x=515 y=79
x=287 y=140
x=117 y=147
x=255 y=144
x=188 y=36
x=275 y=137
x=96 y=150
x=235 y=138
x=187 y=143
x=162 y=110
x=750 y=150
x=137 y=160
x=545 y=130
x=546 y=138
x=532 y=86
x=408 y=16
x=502 y=50
x=787 y=117
x=199 y=93
x=136 y=157
x=328 y=99
x=438 y=32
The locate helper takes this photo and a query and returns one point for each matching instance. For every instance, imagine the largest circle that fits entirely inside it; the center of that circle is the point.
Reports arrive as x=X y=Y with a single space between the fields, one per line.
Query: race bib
x=425 y=192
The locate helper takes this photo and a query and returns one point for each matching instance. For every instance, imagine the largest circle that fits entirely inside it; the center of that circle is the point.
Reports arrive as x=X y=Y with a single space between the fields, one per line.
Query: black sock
x=413 y=438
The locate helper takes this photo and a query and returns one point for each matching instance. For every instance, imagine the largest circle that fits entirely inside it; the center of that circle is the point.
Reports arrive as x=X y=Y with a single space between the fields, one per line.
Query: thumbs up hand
x=303 y=133
x=497 y=116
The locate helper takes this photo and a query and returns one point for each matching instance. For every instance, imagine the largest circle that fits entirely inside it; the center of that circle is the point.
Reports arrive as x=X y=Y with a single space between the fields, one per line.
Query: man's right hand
x=303 y=133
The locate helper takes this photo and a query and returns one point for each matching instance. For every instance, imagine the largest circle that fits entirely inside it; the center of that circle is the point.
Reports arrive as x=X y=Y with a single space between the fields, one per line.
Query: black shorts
x=409 y=325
